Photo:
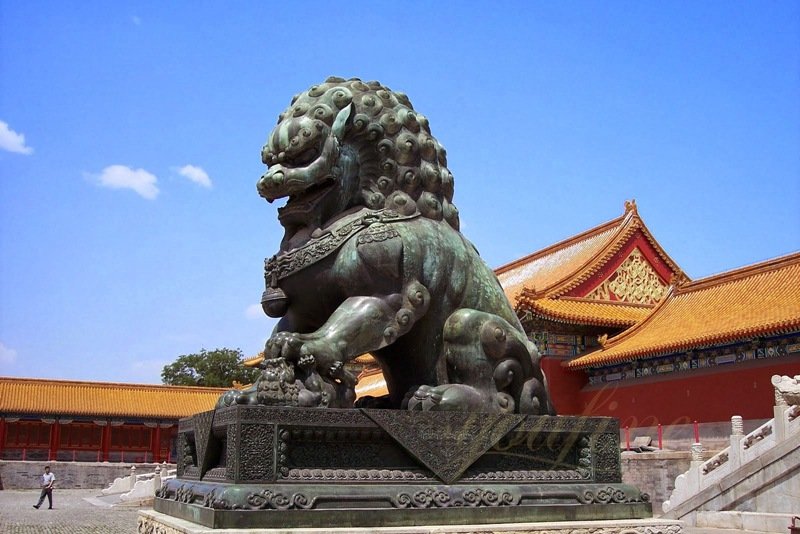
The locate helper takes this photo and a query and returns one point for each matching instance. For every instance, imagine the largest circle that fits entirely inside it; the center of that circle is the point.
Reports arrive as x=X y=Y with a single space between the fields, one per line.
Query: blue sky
x=130 y=136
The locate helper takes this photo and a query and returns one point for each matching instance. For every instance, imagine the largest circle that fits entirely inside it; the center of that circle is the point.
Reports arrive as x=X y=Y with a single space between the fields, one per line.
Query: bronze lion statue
x=372 y=260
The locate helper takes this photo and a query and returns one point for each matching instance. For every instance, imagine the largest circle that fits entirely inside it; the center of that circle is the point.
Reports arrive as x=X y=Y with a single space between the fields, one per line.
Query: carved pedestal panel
x=256 y=466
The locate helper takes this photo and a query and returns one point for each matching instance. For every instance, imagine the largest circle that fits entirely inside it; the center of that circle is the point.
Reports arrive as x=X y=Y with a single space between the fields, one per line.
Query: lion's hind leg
x=489 y=365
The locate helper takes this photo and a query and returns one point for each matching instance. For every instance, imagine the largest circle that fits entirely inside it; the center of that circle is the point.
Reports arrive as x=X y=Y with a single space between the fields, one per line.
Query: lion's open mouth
x=304 y=203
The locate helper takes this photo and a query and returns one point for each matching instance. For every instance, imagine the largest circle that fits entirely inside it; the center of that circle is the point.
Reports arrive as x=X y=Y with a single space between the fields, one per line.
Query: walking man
x=48 y=479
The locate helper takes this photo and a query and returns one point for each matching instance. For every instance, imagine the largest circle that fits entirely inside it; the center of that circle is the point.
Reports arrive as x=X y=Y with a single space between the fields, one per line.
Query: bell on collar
x=274 y=302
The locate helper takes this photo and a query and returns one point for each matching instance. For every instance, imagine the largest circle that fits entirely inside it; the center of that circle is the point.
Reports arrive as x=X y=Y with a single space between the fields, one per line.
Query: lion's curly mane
x=401 y=164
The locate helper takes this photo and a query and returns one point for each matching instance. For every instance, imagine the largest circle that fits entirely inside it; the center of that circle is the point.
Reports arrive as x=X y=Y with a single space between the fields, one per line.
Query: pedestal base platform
x=264 y=467
x=368 y=505
x=157 y=523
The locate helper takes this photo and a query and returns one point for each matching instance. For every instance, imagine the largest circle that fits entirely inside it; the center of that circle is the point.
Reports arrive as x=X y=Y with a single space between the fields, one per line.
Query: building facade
x=65 y=420
x=706 y=352
x=624 y=332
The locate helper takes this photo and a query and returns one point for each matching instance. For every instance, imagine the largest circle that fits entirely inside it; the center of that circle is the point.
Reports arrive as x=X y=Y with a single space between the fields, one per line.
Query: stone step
x=745 y=521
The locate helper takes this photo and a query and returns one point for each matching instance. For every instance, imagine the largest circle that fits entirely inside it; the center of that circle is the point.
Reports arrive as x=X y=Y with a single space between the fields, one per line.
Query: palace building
x=597 y=283
x=622 y=330
x=705 y=352
x=94 y=421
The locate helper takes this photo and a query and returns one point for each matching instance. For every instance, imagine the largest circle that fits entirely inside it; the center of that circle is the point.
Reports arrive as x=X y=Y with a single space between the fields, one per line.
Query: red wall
x=702 y=395
x=564 y=385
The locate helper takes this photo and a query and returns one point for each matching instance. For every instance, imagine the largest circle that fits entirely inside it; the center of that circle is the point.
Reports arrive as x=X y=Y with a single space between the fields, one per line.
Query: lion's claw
x=307 y=362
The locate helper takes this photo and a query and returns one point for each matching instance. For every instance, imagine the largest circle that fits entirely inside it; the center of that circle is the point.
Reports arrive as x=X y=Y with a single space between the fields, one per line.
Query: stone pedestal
x=262 y=467
x=158 y=523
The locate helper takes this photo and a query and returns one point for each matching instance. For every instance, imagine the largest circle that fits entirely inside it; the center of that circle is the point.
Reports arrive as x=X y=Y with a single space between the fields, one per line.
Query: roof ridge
x=672 y=264
x=592 y=232
x=740 y=273
x=630 y=226
x=80 y=383
x=612 y=246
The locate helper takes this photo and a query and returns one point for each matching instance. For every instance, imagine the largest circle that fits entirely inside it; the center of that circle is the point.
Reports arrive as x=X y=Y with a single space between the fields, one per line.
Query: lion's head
x=347 y=143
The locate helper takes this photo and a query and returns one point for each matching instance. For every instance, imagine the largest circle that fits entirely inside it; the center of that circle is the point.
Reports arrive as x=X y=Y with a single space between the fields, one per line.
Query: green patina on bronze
x=372 y=260
x=263 y=466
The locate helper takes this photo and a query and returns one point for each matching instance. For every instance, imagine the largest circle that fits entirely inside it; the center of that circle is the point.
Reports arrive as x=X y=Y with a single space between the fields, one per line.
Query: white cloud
x=7 y=355
x=195 y=174
x=13 y=141
x=122 y=177
x=254 y=311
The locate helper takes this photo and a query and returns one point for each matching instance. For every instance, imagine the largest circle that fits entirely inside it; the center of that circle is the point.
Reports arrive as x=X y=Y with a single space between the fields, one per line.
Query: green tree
x=209 y=368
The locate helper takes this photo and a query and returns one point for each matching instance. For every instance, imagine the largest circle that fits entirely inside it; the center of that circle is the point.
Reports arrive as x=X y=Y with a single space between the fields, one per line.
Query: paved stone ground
x=71 y=514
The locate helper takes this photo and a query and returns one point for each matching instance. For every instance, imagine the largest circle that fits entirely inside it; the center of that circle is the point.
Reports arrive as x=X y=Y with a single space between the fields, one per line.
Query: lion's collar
x=286 y=263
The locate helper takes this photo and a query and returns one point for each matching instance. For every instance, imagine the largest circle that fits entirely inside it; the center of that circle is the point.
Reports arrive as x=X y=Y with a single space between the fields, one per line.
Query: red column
x=105 y=440
x=173 y=431
x=55 y=435
x=2 y=436
x=157 y=444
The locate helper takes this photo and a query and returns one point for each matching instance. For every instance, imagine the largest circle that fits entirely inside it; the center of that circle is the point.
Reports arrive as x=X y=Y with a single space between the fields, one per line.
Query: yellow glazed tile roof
x=585 y=311
x=371 y=383
x=761 y=299
x=558 y=269
x=103 y=399
x=253 y=361
x=365 y=359
x=551 y=265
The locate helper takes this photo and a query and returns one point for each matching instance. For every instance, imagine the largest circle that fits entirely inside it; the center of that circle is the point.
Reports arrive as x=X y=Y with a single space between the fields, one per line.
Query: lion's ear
x=340 y=123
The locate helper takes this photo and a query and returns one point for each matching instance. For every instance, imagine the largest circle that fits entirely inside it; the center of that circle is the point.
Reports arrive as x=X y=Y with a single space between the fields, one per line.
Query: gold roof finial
x=630 y=205
x=602 y=340
x=254 y=361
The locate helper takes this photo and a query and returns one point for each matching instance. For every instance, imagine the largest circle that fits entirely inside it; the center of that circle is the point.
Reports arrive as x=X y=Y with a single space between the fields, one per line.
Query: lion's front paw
x=452 y=397
x=327 y=360
x=283 y=345
x=424 y=399
x=309 y=352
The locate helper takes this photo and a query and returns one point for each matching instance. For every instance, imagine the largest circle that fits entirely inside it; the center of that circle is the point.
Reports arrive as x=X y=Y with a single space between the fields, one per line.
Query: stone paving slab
x=72 y=513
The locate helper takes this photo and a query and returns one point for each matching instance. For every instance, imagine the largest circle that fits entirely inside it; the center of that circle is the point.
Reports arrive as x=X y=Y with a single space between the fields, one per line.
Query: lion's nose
x=269 y=182
x=277 y=179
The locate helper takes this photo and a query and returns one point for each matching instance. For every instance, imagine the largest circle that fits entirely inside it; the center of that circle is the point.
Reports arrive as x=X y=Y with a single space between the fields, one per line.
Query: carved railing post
x=157 y=479
x=781 y=405
x=133 y=477
x=737 y=434
x=743 y=450
x=697 y=453
x=695 y=466
x=737 y=426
